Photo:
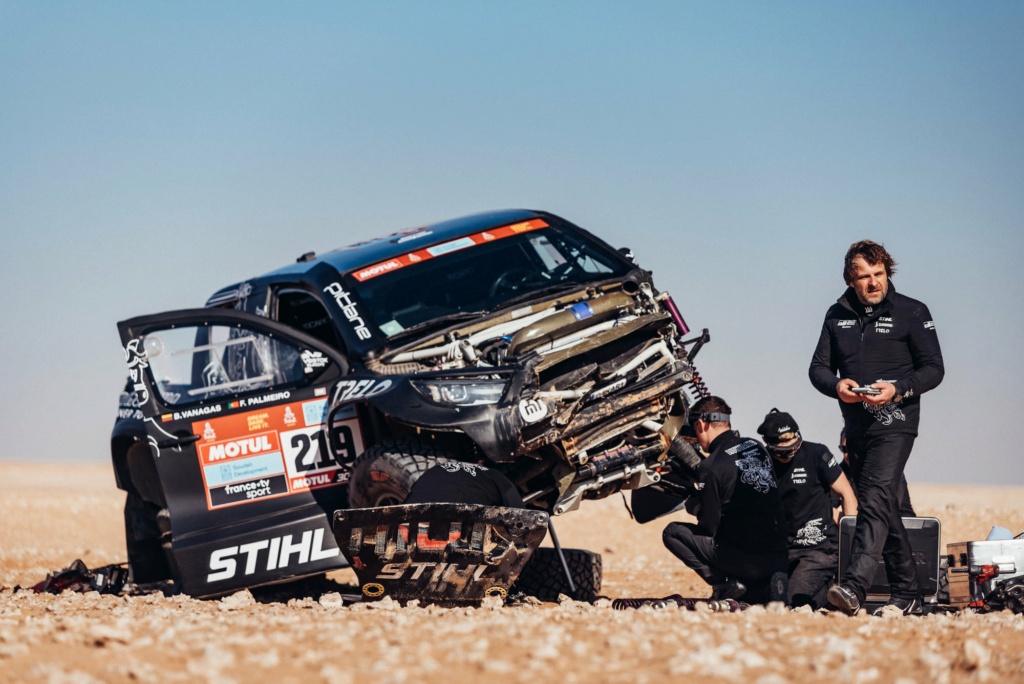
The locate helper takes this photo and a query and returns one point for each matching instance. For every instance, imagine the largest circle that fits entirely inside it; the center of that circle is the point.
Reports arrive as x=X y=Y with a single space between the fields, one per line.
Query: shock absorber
x=698 y=383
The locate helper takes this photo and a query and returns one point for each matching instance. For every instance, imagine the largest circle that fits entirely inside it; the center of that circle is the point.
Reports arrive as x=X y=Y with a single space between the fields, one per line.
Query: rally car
x=512 y=339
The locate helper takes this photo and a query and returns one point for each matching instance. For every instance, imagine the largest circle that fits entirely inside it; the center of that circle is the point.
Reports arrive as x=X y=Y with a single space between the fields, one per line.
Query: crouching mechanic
x=738 y=545
x=807 y=474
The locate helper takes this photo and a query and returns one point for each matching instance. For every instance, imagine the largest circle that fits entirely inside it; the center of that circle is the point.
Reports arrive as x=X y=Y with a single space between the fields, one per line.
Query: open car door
x=234 y=407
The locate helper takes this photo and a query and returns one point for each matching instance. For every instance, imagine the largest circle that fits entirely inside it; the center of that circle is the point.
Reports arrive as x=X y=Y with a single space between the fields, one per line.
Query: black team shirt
x=805 y=484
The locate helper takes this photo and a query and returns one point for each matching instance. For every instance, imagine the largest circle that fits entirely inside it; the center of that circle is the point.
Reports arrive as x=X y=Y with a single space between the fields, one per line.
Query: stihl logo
x=271 y=554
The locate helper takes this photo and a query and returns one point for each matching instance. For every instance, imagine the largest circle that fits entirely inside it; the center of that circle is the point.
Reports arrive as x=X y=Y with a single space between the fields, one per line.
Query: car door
x=234 y=407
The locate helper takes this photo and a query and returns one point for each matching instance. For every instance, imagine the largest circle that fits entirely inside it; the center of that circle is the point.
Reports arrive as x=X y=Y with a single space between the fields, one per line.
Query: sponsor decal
x=384 y=267
x=320 y=392
x=137 y=362
x=798 y=476
x=444 y=573
x=344 y=300
x=453 y=246
x=929 y=325
x=258 y=421
x=351 y=390
x=446 y=248
x=843 y=325
x=532 y=410
x=233 y=448
x=608 y=389
x=263 y=453
x=128 y=407
x=272 y=554
x=832 y=462
x=420 y=233
x=311 y=360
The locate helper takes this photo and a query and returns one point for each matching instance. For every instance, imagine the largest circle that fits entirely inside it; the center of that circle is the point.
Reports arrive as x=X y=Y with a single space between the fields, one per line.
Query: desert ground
x=52 y=513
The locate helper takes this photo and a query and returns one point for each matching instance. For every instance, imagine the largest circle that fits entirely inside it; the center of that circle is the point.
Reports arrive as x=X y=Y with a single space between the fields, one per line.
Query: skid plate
x=449 y=554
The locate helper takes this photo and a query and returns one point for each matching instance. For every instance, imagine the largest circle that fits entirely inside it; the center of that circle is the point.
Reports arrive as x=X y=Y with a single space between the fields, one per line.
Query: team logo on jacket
x=886 y=413
x=843 y=325
x=756 y=472
x=929 y=325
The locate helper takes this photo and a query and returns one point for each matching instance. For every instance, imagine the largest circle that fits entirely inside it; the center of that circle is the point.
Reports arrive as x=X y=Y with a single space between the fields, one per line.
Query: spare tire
x=384 y=474
x=544 y=576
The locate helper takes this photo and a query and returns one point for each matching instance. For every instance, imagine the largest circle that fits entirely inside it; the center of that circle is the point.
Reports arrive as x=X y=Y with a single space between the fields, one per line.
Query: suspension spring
x=698 y=383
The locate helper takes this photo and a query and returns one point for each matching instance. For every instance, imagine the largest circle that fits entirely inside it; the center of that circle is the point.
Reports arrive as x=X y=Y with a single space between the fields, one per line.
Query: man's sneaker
x=907 y=606
x=729 y=589
x=844 y=599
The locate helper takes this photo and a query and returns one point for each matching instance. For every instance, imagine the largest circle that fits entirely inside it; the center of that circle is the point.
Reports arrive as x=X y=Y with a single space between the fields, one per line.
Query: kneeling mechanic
x=738 y=544
x=807 y=474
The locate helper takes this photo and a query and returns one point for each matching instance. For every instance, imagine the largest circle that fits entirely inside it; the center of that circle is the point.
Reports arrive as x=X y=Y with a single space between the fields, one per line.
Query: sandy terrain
x=51 y=514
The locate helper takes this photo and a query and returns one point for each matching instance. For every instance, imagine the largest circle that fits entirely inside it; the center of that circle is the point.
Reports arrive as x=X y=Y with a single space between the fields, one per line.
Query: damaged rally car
x=511 y=339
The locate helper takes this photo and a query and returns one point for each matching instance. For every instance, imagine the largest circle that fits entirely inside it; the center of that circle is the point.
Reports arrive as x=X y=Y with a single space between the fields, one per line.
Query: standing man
x=738 y=545
x=878 y=353
x=808 y=474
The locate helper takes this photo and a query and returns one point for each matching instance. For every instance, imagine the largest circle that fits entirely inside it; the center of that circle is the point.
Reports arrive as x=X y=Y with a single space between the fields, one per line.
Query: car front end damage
x=577 y=396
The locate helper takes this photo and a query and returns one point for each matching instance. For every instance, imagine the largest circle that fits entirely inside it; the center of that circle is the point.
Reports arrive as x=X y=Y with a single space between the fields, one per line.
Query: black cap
x=776 y=424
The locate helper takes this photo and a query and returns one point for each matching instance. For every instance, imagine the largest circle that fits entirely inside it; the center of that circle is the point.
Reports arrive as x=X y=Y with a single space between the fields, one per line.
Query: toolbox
x=924 y=534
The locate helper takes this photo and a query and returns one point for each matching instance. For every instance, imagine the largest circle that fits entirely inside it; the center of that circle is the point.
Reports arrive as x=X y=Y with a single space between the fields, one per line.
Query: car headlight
x=461 y=392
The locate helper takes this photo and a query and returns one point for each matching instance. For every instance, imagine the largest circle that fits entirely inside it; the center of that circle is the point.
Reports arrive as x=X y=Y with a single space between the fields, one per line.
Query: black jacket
x=739 y=499
x=894 y=341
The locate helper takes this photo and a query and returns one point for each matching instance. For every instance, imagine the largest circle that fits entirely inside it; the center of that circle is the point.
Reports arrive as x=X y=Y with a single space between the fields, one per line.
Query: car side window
x=194 y=363
x=300 y=309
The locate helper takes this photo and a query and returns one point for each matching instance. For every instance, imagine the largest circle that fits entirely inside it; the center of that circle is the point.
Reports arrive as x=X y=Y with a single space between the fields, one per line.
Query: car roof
x=376 y=250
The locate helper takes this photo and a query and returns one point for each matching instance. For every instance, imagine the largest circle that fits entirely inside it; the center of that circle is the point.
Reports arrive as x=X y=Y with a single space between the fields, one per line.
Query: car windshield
x=480 y=273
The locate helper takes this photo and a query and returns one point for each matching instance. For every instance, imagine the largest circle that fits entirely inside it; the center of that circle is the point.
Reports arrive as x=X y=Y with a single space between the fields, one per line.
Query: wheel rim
x=388 y=499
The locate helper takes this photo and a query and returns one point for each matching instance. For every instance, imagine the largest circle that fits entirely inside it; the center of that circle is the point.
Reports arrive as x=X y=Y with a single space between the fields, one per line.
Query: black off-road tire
x=544 y=576
x=383 y=475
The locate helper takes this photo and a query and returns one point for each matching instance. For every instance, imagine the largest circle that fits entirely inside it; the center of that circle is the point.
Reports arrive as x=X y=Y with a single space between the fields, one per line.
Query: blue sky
x=151 y=153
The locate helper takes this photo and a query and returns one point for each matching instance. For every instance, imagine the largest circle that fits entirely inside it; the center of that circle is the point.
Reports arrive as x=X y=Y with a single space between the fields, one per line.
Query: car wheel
x=384 y=474
x=544 y=577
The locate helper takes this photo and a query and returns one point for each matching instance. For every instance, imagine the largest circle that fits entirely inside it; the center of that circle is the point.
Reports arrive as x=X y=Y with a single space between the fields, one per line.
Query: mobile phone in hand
x=865 y=390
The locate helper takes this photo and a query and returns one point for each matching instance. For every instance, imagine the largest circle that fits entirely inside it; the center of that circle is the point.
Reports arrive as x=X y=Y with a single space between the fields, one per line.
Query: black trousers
x=877 y=465
x=717 y=562
x=810 y=574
